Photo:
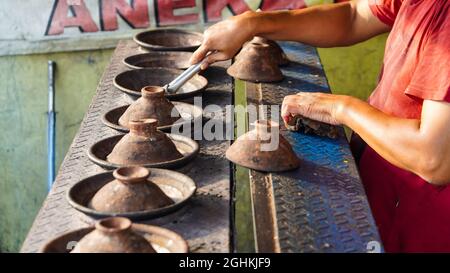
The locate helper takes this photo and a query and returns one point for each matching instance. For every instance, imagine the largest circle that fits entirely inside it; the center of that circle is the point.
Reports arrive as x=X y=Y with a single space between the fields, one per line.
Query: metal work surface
x=204 y=222
x=322 y=206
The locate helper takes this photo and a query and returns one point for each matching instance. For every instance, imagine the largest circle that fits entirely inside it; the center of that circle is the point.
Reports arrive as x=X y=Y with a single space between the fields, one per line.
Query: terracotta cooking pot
x=144 y=144
x=152 y=104
x=131 y=191
x=113 y=235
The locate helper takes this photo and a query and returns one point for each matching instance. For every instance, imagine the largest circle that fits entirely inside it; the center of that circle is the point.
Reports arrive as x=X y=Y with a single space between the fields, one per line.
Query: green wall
x=354 y=70
x=23 y=123
x=23 y=120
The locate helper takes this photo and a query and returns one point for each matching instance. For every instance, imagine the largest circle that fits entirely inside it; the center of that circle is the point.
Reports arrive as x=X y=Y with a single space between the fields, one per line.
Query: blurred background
x=81 y=55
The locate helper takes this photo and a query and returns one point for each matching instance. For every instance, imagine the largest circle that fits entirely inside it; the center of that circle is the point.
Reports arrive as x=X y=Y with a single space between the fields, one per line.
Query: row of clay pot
x=154 y=105
x=145 y=144
x=131 y=190
x=259 y=61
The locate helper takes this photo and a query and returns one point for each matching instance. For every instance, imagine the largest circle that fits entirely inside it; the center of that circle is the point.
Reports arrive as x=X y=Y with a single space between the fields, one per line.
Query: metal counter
x=321 y=207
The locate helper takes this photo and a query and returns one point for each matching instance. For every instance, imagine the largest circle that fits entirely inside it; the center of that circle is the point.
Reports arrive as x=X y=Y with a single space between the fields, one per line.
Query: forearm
x=321 y=26
x=399 y=141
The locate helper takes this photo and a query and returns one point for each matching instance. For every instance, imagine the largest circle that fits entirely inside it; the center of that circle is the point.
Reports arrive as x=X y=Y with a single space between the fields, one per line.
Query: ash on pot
x=308 y=126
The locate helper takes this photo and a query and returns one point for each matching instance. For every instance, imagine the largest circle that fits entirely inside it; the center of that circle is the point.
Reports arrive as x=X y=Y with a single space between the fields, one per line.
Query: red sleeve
x=431 y=79
x=385 y=10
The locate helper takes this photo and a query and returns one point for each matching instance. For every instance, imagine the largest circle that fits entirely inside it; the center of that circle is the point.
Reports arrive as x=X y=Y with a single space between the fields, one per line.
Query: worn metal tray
x=204 y=222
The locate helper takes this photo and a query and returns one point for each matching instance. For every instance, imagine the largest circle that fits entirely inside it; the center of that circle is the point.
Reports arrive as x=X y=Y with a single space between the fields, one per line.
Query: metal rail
x=51 y=124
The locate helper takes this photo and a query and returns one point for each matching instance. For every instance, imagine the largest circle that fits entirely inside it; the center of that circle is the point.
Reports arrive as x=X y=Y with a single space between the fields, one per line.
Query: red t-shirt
x=412 y=215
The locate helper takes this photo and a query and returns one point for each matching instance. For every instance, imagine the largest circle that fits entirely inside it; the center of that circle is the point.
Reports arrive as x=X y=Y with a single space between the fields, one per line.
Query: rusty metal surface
x=265 y=215
x=322 y=206
x=204 y=222
x=261 y=190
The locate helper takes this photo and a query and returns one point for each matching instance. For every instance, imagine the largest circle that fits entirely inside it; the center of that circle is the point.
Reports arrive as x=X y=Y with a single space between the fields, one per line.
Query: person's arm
x=321 y=26
x=419 y=146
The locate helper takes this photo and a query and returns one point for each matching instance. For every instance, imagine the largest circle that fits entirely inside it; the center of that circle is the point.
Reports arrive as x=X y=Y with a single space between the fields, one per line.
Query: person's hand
x=224 y=39
x=322 y=107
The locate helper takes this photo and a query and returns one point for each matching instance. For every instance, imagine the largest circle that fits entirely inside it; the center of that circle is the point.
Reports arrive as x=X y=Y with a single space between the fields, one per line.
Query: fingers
x=289 y=107
x=214 y=57
x=316 y=106
x=199 y=54
x=299 y=104
x=290 y=110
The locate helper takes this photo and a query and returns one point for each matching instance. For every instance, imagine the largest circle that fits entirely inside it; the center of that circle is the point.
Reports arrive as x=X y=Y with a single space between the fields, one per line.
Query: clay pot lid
x=130 y=191
x=275 y=50
x=253 y=149
x=167 y=59
x=169 y=40
x=144 y=144
x=113 y=235
x=256 y=64
x=190 y=114
x=131 y=82
x=186 y=148
x=152 y=104
x=162 y=240
x=179 y=187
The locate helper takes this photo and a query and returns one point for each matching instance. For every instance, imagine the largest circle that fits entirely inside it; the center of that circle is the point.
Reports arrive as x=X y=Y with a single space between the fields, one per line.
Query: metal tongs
x=184 y=77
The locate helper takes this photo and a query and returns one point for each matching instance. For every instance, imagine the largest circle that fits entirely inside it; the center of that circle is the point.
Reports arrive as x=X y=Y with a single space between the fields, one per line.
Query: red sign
x=75 y=13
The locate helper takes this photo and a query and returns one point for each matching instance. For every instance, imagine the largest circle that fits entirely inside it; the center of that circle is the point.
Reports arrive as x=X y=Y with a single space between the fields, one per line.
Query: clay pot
x=144 y=144
x=275 y=50
x=131 y=82
x=253 y=149
x=169 y=59
x=190 y=114
x=162 y=240
x=152 y=104
x=256 y=63
x=178 y=187
x=169 y=40
x=131 y=191
x=113 y=235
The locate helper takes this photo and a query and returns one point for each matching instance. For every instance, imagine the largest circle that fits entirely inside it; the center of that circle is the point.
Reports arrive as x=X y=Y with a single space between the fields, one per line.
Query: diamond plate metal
x=204 y=222
x=322 y=206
